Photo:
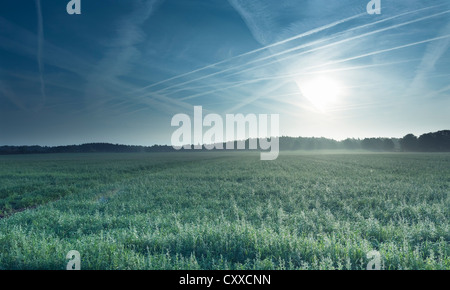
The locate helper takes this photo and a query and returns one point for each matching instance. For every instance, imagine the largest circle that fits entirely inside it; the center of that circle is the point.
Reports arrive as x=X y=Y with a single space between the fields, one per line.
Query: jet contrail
x=254 y=51
x=282 y=53
x=39 y=53
x=306 y=45
x=277 y=44
x=317 y=66
x=318 y=48
x=228 y=84
x=240 y=83
x=304 y=52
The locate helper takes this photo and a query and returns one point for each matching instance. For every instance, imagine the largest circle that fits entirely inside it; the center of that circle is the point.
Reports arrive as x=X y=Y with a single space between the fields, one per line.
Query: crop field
x=225 y=210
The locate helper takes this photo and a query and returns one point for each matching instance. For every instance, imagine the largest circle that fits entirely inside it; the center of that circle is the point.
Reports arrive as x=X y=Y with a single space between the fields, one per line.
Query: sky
x=121 y=70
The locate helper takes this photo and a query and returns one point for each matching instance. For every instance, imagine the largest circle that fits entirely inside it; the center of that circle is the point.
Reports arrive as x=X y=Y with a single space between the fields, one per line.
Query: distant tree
x=443 y=140
x=409 y=143
x=351 y=144
x=372 y=144
x=378 y=144
x=427 y=142
x=434 y=142
x=388 y=145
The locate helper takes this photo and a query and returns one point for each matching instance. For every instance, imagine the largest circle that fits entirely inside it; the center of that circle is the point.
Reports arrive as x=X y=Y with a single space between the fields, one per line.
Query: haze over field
x=122 y=69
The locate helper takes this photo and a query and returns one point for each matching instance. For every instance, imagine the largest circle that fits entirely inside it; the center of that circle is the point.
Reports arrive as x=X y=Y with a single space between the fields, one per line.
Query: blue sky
x=122 y=69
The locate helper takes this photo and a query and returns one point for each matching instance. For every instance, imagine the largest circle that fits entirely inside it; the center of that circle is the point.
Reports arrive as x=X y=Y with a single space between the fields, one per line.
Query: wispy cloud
x=433 y=53
x=258 y=18
x=24 y=44
x=120 y=57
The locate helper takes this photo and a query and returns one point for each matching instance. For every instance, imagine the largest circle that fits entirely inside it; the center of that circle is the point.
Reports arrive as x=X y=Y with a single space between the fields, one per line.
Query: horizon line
x=283 y=136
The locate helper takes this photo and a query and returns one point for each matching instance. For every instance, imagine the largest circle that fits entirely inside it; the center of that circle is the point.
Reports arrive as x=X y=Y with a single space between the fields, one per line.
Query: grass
x=225 y=211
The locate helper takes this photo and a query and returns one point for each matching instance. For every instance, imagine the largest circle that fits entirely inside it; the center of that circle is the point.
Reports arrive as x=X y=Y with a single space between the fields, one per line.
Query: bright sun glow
x=321 y=92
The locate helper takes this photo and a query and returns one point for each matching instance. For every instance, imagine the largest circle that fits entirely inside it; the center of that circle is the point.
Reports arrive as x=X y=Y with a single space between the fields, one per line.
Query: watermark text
x=250 y=128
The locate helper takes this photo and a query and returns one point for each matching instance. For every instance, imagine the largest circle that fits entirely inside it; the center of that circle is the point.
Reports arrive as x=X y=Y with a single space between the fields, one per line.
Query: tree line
x=430 y=142
x=84 y=148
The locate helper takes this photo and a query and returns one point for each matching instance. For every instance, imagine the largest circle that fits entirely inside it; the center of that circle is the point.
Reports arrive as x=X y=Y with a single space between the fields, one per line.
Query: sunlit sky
x=122 y=69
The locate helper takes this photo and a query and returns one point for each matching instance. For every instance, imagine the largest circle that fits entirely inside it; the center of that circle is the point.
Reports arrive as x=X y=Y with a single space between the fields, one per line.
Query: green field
x=225 y=210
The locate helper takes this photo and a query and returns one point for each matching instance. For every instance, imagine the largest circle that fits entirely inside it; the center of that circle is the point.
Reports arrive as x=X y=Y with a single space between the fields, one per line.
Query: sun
x=322 y=92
